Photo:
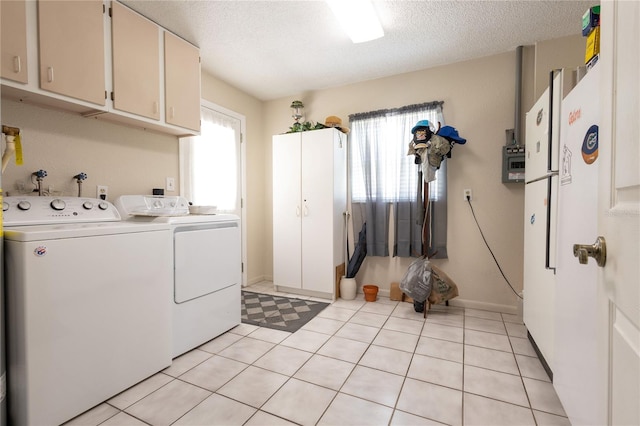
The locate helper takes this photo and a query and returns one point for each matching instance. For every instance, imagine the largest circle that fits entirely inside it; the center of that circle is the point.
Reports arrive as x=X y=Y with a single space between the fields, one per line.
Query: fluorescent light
x=358 y=18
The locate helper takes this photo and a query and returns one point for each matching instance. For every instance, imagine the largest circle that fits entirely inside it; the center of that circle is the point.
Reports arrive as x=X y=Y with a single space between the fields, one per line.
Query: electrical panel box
x=513 y=163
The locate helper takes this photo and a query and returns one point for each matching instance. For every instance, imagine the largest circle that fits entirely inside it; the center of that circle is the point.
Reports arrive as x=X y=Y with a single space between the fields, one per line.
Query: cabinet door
x=136 y=63
x=287 y=211
x=182 y=82
x=13 y=62
x=71 y=36
x=317 y=211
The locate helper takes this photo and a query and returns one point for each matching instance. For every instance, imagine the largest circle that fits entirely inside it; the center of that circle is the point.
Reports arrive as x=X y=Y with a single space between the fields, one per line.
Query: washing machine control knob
x=5 y=206
x=103 y=206
x=87 y=205
x=24 y=205
x=58 y=204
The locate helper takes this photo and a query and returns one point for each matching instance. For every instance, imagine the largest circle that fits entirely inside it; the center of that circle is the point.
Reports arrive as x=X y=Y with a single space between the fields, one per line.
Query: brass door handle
x=597 y=250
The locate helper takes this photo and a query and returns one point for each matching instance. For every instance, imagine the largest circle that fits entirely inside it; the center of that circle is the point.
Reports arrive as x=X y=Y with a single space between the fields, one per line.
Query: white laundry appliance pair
x=207 y=266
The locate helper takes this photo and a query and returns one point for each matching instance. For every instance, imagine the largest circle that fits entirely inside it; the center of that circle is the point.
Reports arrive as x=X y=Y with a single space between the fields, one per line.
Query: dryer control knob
x=24 y=205
x=5 y=206
x=58 y=204
x=88 y=205
x=103 y=206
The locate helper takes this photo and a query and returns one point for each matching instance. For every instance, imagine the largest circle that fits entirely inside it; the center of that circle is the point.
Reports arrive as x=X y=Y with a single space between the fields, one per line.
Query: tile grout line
x=370 y=344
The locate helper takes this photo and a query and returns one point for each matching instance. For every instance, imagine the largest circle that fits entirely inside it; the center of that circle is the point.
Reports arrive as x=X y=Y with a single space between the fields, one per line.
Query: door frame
x=243 y=177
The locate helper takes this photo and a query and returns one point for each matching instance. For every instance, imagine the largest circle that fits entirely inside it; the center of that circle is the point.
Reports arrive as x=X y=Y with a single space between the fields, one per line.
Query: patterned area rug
x=279 y=313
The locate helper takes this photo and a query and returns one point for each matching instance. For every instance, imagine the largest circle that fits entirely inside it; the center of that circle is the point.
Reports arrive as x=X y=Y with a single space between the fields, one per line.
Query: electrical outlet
x=102 y=192
x=467 y=195
x=171 y=184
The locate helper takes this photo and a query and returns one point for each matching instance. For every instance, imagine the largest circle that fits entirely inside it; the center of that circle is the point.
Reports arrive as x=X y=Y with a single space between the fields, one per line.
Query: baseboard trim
x=462 y=303
x=485 y=306
x=257 y=280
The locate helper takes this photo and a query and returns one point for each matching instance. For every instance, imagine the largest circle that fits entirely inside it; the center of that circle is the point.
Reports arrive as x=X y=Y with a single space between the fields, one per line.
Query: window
x=210 y=163
x=379 y=144
x=385 y=183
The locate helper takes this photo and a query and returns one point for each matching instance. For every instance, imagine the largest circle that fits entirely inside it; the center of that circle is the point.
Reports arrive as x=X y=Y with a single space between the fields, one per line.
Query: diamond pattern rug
x=276 y=312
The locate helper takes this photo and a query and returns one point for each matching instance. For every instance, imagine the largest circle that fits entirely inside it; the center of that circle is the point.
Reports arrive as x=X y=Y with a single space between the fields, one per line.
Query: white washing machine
x=88 y=305
x=207 y=275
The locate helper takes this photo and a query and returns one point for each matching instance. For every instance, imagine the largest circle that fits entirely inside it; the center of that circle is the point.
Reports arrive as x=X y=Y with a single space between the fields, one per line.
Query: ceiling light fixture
x=358 y=18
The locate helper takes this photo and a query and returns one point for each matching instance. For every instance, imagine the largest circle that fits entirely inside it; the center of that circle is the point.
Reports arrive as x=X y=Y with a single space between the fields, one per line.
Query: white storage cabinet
x=309 y=200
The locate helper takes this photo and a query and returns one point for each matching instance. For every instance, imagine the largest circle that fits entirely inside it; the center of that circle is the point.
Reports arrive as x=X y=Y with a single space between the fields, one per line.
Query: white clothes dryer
x=207 y=266
x=88 y=308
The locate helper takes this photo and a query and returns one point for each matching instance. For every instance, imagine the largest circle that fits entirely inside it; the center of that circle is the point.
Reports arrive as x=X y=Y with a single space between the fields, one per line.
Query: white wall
x=127 y=160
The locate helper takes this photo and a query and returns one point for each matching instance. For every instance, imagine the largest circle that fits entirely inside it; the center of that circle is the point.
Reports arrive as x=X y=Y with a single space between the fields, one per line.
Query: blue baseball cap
x=419 y=124
x=451 y=134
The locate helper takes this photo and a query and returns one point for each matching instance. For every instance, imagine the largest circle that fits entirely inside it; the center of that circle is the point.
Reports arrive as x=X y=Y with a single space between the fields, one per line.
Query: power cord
x=491 y=251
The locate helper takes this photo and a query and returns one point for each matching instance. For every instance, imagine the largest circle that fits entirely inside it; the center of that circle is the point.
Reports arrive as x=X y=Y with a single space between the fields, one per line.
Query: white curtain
x=210 y=162
x=383 y=175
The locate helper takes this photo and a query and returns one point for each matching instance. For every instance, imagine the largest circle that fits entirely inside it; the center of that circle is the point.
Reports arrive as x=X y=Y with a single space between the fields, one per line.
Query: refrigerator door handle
x=549 y=174
x=547 y=254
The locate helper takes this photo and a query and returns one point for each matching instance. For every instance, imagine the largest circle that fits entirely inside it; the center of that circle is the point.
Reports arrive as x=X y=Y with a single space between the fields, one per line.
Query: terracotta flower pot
x=370 y=292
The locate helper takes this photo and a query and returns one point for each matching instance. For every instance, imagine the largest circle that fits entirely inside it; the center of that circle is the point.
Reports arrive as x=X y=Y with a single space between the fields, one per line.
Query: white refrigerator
x=540 y=211
x=575 y=358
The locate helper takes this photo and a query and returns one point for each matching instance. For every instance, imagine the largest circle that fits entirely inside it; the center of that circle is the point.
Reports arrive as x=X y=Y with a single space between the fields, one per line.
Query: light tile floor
x=356 y=363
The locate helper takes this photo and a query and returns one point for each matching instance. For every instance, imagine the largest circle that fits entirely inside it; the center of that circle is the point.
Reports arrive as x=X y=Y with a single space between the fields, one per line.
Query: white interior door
x=212 y=166
x=619 y=212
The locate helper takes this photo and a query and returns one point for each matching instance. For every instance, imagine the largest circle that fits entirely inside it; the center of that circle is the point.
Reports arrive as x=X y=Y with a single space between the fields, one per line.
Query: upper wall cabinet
x=182 y=82
x=136 y=62
x=100 y=59
x=71 y=37
x=13 y=62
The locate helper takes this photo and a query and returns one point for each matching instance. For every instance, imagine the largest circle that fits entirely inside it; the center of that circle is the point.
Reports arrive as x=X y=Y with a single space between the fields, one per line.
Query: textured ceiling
x=273 y=49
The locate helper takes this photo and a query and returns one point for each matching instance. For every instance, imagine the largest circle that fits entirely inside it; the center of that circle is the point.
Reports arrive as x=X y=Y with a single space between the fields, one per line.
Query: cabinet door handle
x=155 y=107
x=50 y=74
x=306 y=210
x=171 y=112
x=17 y=64
x=297 y=211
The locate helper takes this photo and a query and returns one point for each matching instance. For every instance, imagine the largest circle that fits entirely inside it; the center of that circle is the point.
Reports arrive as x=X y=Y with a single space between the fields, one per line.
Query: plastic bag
x=443 y=287
x=417 y=280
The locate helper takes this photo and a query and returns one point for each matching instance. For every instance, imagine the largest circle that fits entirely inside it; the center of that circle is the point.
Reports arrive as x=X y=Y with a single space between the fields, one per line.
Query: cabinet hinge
x=110 y=12
x=113 y=96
